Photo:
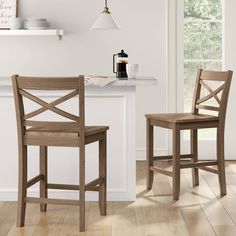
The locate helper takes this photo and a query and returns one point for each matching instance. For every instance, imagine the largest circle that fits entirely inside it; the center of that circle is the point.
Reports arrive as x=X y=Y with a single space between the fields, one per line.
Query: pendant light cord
x=106 y=10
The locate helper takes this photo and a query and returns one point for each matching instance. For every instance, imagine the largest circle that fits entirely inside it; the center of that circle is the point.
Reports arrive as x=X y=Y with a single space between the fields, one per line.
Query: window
x=202 y=45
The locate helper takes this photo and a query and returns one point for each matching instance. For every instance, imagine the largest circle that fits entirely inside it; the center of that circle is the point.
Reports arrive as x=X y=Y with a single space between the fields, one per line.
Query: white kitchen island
x=113 y=105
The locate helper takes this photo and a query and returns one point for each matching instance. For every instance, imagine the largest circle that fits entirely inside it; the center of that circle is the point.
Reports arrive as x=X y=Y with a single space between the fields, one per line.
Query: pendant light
x=105 y=21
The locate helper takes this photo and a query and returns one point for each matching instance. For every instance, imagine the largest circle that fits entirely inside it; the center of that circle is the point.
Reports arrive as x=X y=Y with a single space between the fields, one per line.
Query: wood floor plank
x=156 y=218
x=161 y=185
x=70 y=224
x=94 y=217
x=204 y=199
x=97 y=224
x=155 y=210
x=202 y=193
x=50 y=222
x=197 y=222
x=7 y=217
x=225 y=230
x=228 y=201
x=232 y=188
x=215 y=212
x=187 y=198
x=99 y=230
x=230 y=167
x=124 y=220
x=31 y=220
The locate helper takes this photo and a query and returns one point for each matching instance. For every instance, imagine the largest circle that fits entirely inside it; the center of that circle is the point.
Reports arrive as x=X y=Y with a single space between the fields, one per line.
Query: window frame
x=185 y=100
x=206 y=147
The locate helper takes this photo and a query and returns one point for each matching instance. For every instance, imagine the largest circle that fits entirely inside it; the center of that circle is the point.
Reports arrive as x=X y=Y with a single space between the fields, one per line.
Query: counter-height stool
x=211 y=86
x=69 y=133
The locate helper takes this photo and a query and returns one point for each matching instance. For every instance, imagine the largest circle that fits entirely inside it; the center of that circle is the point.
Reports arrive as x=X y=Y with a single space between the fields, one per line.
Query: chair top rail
x=48 y=83
x=214 y=75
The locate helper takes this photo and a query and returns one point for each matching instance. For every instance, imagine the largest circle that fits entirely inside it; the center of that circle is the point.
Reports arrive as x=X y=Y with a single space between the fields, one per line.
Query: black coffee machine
x=119 y=64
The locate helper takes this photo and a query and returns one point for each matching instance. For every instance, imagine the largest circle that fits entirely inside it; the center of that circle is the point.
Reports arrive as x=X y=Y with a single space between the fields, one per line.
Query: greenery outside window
x=203 y=41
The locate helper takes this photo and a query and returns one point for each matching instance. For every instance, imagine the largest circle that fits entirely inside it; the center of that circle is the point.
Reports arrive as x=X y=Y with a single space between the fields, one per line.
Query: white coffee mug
x=132 y=70
x=15 y=23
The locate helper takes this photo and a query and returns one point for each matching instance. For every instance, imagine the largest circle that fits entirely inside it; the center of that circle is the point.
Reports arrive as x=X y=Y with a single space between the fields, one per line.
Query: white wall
x=142 y=35
x=230 y=63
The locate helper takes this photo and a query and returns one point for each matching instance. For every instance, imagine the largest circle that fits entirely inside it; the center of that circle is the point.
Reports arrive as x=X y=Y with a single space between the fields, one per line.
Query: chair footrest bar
x=198 y=164
x=92 y=189
x=34 y=180
x=62 y=186
x=159 y=158
x=215 y=171
x=51 y=201
x=162 y=171
x=91 y=186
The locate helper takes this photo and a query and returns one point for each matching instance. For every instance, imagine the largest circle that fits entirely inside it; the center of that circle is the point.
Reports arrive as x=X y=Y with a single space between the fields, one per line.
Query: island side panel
x=115 y=106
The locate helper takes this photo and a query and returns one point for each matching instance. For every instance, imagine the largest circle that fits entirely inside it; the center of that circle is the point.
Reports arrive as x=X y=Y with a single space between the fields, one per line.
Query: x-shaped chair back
x=22 y=86
x=201 y=83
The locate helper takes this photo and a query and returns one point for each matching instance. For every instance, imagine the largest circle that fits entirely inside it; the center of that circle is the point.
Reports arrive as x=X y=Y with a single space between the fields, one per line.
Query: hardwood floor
x=199 y=211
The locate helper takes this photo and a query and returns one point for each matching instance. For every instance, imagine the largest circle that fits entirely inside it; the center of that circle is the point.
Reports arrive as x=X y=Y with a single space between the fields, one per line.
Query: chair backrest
x=23 y=87
x=217 y=85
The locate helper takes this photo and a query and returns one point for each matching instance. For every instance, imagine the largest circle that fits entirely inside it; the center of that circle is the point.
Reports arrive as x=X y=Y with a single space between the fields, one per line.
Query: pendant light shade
x=105 y=21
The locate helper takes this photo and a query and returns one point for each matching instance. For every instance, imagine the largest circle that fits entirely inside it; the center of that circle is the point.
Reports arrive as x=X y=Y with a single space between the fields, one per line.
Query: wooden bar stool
x=193 y=121
x=72 y=133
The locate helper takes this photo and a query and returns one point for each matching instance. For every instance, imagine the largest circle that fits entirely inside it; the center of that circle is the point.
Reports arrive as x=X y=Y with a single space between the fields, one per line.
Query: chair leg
x=43 y=171
x=149 y=155
x=22 y=186
x=102 y=175
x=176 y=162
x=194 y=152
x=221 y=161
x=82 y=188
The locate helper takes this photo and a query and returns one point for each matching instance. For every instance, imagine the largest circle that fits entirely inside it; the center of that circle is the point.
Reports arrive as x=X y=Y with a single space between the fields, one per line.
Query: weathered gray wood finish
x=193 y=121
x=73 y=133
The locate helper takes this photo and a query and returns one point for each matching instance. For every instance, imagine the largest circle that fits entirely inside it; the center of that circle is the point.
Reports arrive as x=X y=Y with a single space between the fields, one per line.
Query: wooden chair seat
x=54 y=133
x=182 y=117
x=64 y=129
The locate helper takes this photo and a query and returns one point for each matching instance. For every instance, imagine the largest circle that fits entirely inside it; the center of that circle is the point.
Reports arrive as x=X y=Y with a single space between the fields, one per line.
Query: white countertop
x=139 y=81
